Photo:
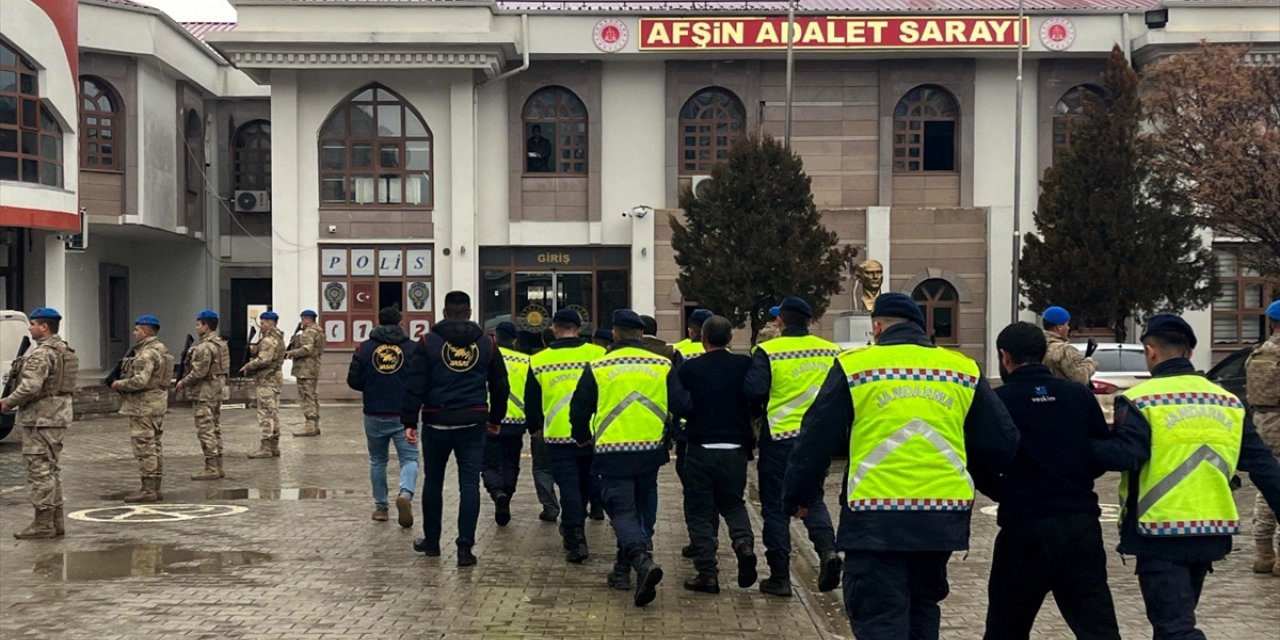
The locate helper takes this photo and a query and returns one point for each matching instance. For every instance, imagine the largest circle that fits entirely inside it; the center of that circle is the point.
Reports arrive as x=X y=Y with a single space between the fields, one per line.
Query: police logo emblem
x=388 y=358
x=460 y=358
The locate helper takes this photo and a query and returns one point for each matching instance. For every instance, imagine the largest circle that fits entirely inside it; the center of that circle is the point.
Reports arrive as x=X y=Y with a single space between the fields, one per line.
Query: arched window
x=1068 y=108
x=555 y=125
x=375 y=150
x=251 y=157
x=940 y=305
x=925 y=135
x=193 y=136
x=710 y=123
x=100 y=125
x=30 y=139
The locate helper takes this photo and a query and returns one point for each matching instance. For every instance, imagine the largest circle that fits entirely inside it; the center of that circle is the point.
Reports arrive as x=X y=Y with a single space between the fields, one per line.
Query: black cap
x=506 y=330
x=1169 y=323
x=567 y=316
x=389 y=315
x=603 y=334
x=650 y=325
x=898 y=305
x=699 y=316
x=796 y=304
x=627 y=319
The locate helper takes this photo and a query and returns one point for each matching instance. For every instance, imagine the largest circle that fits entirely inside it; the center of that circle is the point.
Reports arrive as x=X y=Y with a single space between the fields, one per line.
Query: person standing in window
x=538 y=151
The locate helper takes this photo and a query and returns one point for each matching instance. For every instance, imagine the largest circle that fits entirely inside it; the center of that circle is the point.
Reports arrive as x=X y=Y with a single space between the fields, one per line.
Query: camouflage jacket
x=1262 y=375
x=306 y=352
x=268 y=356
x=769 y=332
x=659 y=347
x=208 y=362
x=145 y=378
x=37 y=396
x=1067 y=362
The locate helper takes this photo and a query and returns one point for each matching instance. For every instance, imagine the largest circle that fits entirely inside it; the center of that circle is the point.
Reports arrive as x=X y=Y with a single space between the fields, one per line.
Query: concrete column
x=55 y=283
x=1201 y=322
x=461 y=210
x=294 y=214
x=878 y=245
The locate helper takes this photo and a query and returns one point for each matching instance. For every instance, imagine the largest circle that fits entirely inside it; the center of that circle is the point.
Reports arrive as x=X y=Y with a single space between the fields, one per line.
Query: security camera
x=640 y=211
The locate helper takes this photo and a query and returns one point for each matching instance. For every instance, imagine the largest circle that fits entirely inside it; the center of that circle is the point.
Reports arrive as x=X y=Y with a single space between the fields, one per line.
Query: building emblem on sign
x=334 y=294
x=418 y=294
x=533 y=318
x=1057 y=34
x=610 y=35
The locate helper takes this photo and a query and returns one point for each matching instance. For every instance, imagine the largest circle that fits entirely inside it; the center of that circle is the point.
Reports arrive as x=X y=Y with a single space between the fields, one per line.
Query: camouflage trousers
x=269 y=411
x=309 y=399
x=41 y=449
x=1264 y=521
x=208 y=430
x=145 y=432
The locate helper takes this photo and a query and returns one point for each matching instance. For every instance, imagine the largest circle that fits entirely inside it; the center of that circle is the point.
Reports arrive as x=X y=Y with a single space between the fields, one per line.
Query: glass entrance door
x=540 y=294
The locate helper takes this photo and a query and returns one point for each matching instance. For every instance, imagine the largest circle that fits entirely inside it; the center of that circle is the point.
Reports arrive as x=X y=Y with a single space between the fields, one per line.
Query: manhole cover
x=157 y=512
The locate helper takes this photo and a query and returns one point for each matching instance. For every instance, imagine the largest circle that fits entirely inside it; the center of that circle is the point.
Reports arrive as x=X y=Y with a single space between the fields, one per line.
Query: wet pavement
x=285 y=548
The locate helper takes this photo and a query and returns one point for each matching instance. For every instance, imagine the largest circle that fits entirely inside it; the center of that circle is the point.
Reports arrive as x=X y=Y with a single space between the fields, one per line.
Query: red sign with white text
x=824 y=32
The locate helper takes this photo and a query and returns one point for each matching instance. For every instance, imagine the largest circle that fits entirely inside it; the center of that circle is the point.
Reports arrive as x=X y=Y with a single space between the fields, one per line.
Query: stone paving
x=293 y=554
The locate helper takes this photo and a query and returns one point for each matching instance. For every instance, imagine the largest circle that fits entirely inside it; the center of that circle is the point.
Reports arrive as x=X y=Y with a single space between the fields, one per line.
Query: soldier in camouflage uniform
x=268 y=356
x=42 y=396
x=1064 y=360
x=1262 y=380
x=305 y=350
x=205 y=379
x=144 y=383
x=771 y=330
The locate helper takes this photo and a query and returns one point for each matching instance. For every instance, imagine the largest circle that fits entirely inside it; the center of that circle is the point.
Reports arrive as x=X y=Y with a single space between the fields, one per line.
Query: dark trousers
x=1171 y=591
x=895 y=594
x=772 y=466
x=467 y=446
x=1062 y=555
x=571 y=469
x=623 y=500
x=714 y=481
x=543 y=481
x=502 y=463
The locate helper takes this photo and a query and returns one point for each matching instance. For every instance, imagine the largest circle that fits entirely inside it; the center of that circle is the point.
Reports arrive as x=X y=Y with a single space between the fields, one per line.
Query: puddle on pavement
x=299 y=493
x=142 y=560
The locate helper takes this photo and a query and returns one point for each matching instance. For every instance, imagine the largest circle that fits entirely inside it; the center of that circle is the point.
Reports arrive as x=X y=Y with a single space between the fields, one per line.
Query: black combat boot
x=577 y=543
x=648 y=575
x=829 y=572
x=746 y=554
x=620 y=577
x=779 y=581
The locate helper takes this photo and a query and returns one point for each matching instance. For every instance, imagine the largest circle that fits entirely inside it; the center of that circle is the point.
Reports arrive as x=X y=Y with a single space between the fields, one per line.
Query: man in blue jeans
x=454 y=371
x=379 y=371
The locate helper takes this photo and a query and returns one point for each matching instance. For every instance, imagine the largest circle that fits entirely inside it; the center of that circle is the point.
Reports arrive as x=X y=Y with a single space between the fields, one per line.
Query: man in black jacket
x=718 y=427
x=1050 y=539
x=895 y=565
x=454 y=371
x=380 y=373
x=1173 y=562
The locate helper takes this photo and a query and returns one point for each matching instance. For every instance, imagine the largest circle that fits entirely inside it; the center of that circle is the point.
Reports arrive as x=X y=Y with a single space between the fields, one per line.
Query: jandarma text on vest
x=1191 y=413
x=913 y=391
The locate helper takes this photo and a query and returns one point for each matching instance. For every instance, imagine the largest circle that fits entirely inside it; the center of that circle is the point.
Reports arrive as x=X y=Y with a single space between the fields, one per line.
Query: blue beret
x=505 y=329
x=774 y=311
x=627 y=319
x=148 y=320
x=1273 y=311
x=45 y=313
x=700 y=316
x=309 y=313
x=797 y=305
x=1056 y=316
x=898 y=305
x=567 y=316
x=1169 y=323
x=269 y=315
x=207 y=314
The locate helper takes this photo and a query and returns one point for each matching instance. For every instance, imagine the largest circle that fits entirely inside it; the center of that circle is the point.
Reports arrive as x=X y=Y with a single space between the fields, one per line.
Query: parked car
x=13 y=326
x=1229 y=373
x=1121 y=366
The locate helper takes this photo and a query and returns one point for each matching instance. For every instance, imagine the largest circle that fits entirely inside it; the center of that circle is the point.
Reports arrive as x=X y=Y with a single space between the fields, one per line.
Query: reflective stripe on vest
x=557 y=372
x=906 y=447
x=1184 y=488
x=517 y=374
x=631 y=412
x=797 y=367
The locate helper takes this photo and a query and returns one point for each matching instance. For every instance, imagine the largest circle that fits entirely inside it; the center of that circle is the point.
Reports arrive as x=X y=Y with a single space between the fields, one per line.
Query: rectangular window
x=1239 y=310
x=356 y=281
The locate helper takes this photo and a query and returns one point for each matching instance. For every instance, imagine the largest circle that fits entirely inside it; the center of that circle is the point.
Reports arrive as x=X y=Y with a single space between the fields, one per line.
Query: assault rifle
x=183 y=365
x=15 y=369
x=119 y=368
x=248 y=345
x=293 y=340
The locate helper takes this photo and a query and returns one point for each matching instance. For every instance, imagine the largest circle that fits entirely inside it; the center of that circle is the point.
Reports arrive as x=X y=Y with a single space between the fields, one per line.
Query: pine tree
x=756 y=237
x=1115 y=239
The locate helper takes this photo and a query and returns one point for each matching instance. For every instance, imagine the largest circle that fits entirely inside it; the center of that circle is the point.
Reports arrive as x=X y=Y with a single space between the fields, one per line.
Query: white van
x=13 y=327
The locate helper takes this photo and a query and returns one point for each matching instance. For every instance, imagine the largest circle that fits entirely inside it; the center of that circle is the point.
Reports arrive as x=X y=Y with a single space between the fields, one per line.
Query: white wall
x=994 y=107
x=493 y=203
x=157 y=143
x=633 y=170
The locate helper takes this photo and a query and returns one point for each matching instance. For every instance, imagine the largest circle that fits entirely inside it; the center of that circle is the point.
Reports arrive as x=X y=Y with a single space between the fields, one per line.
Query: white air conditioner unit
x=700 y=185
x=253 y=201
